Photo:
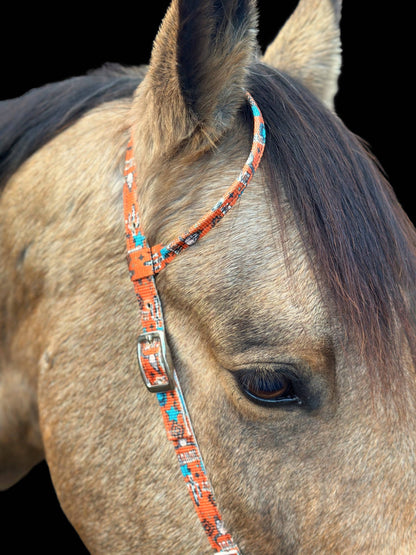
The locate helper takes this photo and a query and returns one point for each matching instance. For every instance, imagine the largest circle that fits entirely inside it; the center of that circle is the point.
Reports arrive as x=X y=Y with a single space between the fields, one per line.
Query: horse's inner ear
x=199 y=63
x=308 y=47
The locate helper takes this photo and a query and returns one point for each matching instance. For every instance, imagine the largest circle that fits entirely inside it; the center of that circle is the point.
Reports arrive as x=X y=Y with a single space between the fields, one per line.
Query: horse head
x=289 y=325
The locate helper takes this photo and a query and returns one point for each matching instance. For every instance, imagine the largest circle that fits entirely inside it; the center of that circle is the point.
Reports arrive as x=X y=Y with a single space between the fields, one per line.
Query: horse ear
x=308 y=47
x=198 y=65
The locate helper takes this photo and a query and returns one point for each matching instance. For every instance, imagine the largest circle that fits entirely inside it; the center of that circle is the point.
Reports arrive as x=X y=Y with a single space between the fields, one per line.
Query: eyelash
x=269 y=387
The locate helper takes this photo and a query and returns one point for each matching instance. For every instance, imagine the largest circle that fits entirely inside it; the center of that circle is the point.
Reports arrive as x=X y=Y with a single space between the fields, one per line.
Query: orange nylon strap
x=153 y=353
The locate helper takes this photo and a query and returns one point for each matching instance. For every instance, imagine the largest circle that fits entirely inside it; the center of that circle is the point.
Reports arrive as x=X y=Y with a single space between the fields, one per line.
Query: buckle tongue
x=158 y=362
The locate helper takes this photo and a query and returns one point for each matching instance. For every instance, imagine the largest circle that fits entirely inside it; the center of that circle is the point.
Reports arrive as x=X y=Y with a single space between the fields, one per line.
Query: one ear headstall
x=153 y=353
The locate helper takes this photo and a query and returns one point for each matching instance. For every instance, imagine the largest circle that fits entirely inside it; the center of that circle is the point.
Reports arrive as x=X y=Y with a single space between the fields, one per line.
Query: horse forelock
x=360 y=241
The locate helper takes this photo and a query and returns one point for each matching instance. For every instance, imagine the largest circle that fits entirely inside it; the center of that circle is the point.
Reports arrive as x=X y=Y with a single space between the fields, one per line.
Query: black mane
x=361 y=243
x=30 y=121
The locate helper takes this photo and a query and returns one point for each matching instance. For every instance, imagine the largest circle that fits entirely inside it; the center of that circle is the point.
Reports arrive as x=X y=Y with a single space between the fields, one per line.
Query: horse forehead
x=253 y=273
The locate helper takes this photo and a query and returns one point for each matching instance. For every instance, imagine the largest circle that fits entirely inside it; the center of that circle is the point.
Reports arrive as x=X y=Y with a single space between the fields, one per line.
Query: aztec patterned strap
x=153 y=354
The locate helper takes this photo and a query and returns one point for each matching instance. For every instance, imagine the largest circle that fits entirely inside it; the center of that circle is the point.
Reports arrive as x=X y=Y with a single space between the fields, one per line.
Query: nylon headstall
x=155 y=364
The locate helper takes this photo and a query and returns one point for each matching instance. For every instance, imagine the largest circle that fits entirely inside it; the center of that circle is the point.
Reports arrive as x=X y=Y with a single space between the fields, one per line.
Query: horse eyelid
x=269 y=387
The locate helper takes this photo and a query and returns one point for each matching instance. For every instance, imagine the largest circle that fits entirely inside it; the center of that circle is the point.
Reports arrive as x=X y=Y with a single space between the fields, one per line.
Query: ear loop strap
x=153 y=353
x=144 y=260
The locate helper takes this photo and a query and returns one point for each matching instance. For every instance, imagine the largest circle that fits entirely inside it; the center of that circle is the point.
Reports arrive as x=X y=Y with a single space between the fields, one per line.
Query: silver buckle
x=166 y=360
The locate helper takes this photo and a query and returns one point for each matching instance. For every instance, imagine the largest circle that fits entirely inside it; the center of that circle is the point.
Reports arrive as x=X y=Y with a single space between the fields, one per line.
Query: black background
x=41 y=46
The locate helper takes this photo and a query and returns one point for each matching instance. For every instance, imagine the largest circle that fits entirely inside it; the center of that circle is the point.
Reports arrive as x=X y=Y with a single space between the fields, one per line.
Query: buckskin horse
x=282 y=368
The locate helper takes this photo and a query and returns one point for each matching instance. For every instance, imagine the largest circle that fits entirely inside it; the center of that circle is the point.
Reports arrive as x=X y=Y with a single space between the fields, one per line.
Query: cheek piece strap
x=155 y=363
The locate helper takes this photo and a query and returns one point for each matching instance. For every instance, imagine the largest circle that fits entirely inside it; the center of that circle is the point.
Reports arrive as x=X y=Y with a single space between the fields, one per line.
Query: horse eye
x=267 y=388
